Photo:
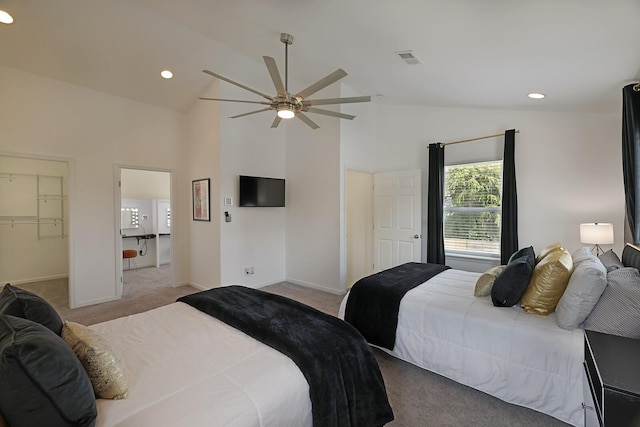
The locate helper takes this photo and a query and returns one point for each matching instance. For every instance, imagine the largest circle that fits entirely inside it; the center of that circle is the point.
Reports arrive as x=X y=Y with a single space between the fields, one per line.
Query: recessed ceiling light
x=535 y=95
x=5 y=18
x=166 y=74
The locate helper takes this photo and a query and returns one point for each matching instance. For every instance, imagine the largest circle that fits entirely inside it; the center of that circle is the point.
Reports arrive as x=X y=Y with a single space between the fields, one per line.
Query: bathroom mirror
x=129 y=218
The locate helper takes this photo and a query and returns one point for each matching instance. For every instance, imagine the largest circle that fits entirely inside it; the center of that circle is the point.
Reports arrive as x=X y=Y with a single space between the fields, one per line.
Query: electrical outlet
x=248 y=270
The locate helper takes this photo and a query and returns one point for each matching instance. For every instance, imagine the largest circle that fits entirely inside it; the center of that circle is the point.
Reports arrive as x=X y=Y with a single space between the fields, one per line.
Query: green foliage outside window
x=472 y=202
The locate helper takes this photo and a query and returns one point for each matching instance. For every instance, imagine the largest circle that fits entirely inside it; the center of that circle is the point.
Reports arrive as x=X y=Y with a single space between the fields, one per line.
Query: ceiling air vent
x=408 y=57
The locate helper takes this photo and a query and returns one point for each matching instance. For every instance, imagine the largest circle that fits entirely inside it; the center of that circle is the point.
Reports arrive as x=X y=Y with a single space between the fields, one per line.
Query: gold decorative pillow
x=103 y=365
x=546 y=251
x=548 y=282
x=485 y=282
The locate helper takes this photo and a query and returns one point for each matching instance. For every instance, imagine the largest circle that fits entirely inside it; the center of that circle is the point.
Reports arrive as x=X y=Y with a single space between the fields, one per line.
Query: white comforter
x=521 y=358
x=187 y=368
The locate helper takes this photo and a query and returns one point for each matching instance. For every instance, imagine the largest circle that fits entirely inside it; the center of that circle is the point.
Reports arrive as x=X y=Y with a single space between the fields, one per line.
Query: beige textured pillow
x=548 y=282
x=485 y=282
x=103 y=365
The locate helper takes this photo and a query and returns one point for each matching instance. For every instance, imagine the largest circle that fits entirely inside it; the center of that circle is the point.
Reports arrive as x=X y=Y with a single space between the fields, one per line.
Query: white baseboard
x=35 y=279
x=79 y=304
x=315 y=286
x=197 y=286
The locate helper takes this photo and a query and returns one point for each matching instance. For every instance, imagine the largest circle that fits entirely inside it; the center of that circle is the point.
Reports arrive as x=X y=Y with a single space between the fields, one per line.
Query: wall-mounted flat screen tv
x=261 y=192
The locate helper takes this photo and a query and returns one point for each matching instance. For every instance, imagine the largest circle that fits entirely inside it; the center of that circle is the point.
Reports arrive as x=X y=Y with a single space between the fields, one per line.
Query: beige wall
x=359 y=228
x=202 y=161
x=93 y=131
x=30 y=251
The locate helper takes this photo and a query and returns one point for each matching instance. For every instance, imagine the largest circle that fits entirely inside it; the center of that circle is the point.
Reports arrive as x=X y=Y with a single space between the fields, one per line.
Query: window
x=472 y=208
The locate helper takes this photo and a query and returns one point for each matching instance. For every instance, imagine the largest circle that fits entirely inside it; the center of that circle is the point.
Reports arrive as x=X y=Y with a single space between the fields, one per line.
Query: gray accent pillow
x=586 y=284
x=611 y=260
x=618 y=310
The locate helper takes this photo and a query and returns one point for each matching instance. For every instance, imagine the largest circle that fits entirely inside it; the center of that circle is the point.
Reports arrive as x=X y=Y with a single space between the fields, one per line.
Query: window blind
x=471 y=208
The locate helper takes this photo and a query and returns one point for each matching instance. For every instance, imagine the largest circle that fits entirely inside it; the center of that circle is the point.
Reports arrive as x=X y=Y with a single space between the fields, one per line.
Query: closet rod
x=475 y=139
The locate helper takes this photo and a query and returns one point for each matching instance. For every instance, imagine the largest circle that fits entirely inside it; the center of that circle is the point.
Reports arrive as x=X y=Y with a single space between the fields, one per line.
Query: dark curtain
x=630 y=160
x=509 y=230
x=435 y=233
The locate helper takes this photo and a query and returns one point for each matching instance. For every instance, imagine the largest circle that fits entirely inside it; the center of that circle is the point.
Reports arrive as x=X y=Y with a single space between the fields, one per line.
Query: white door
x=397 y=219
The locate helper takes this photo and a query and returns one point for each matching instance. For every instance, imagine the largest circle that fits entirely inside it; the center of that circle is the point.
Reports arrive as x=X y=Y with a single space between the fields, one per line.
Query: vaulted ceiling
x=473 y=53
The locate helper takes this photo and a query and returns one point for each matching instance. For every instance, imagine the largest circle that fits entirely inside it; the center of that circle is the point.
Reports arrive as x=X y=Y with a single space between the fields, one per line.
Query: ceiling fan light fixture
x=286 y=105
x=286 y=112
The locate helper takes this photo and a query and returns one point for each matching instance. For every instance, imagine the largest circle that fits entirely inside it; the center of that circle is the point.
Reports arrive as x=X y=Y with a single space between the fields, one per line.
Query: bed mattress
x=187 y=368
x=521 y=358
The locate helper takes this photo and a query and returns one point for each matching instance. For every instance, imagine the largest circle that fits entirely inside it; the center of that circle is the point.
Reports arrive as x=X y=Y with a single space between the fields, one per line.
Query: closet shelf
x=54 y=185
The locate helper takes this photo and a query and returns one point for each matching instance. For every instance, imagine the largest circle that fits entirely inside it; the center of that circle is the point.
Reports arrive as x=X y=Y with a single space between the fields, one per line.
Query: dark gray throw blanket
x=374 y=301
x=345 y=384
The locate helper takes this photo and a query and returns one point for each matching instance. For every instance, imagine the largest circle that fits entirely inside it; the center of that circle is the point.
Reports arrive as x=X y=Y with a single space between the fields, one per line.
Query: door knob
x=417 y=236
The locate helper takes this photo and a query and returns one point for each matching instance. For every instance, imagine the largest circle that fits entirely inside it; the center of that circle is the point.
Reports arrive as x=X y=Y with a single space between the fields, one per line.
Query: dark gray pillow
x=20 y=303
x=610 y=260
x=510 y=285
x=43 y=382
x=618 y=310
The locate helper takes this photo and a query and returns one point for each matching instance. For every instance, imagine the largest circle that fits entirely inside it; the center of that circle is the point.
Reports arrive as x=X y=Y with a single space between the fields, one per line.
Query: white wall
x=568 y=166
x=145 y=184
x=255 y=237
x=314 y=206
x=93 y=131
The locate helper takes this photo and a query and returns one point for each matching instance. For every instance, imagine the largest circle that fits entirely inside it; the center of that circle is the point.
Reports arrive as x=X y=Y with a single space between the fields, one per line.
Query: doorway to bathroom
x=145 y=230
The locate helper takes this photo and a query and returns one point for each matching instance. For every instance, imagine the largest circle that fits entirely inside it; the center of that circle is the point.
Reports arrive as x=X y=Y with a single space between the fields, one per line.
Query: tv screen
x=261 y=192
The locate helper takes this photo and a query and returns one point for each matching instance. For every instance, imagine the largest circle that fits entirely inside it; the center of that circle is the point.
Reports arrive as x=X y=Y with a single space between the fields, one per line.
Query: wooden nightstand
x=613 y=369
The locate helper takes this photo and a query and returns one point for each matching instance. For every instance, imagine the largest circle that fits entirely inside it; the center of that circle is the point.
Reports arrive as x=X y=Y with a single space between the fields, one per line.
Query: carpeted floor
x=419 y=398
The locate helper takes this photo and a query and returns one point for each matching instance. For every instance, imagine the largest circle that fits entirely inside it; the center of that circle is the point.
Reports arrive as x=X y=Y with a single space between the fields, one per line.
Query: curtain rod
x=475 y=139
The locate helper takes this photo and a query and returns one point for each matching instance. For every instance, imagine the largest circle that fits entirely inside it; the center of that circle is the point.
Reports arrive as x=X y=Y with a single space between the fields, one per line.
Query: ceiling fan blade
x=257 y=92
x=307 y=120
x=275 y=75
x=235 y=100
x=322 y=83
x=330 y=101
x=330 y=113
x=276 y=122
x=250 y=112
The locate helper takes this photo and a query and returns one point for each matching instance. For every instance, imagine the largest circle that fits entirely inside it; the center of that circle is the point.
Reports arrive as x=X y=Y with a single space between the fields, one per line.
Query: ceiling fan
x=286 y=105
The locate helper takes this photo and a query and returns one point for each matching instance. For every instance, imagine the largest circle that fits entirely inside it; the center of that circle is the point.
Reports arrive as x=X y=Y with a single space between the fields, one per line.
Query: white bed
x=186 y=368
x=521 y=358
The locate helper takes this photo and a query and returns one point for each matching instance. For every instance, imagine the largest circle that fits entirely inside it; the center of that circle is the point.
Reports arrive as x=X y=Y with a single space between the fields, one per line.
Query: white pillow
x=581 y=254
x=586 y=284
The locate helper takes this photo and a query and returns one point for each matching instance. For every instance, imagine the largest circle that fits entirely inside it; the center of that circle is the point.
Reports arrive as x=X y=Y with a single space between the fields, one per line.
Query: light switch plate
x=228 y=201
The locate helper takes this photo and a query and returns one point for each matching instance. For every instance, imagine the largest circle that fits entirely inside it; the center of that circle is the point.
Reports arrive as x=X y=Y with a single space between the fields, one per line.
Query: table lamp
x=596 y=233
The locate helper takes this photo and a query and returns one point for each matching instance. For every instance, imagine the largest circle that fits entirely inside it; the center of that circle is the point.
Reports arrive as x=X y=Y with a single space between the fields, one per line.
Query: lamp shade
x=596 y=233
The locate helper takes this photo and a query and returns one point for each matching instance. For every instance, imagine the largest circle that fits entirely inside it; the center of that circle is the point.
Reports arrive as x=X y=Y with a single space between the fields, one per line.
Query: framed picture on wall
x=201 y=202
